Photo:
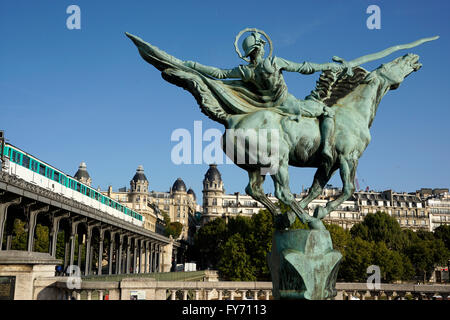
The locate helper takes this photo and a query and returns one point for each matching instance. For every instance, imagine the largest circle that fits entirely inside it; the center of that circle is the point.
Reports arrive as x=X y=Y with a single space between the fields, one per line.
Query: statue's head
x=397 y=70
x=252 y=42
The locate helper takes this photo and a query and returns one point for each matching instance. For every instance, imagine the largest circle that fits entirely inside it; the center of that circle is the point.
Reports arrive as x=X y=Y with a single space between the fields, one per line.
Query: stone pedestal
x=303 y=265
x=26 y=267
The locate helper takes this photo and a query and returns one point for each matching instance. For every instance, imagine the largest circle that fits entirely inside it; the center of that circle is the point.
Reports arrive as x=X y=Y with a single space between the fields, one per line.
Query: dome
x=179 y=186
x=139 y=176
x=213 y=174
x=82 y=172
x=190 y=191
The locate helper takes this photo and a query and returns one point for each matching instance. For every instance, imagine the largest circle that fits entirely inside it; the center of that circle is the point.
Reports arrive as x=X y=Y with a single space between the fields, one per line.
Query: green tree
x=20 y=236
x=207 y=242
x=391 y=263
x=380 y=227
x=425 y=255
x=260 y=243
x=41 y=243
x=339 y=236
x=443 y=233
x=234 y=263
x=174 y=229
x=358 y=257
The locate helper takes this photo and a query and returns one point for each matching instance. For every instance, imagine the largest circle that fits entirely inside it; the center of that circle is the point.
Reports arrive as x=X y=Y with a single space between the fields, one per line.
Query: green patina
x=328 y=130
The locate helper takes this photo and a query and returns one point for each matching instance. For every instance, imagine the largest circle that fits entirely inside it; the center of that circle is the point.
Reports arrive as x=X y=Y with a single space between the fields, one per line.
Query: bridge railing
x=151 y=289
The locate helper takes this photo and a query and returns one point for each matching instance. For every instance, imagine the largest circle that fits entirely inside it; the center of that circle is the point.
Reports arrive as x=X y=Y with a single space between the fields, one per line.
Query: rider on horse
x=265 y=80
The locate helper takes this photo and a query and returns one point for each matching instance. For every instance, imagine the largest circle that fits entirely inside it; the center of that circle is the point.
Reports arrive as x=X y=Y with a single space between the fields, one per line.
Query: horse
x=353 y=95
x=355 y=101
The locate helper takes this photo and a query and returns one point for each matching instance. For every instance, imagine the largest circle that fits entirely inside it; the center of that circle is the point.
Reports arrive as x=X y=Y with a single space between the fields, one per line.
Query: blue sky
x=68 y=96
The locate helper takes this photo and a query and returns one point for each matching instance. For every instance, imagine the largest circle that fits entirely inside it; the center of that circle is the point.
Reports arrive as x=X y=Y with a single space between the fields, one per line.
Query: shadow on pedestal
x=303 y=265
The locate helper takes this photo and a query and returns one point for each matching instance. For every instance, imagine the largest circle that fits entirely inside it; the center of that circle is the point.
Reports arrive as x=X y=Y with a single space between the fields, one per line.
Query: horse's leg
x=256 y=191
x=320 y=180
x=284 y=194
x=347 y=171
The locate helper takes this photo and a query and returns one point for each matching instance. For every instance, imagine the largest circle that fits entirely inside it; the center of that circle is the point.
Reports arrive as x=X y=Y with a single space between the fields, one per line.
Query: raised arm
x=307 y=67
x=213 y=71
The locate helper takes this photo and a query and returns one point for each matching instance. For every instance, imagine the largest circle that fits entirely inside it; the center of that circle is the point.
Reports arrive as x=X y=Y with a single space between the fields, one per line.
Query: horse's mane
x=332 y=86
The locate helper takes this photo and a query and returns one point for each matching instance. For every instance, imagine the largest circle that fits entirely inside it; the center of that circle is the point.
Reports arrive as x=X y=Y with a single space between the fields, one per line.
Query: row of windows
x=38 y=167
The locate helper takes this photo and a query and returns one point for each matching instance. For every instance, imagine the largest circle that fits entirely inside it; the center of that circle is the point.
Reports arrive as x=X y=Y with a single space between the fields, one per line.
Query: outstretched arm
x=212 y=71
x=307 y=67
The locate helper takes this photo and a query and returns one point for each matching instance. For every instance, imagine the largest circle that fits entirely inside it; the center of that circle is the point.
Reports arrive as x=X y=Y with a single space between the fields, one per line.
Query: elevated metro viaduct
x=127 y=248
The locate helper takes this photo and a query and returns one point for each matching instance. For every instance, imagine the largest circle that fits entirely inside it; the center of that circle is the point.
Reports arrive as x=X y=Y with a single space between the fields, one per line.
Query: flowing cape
x=218 y=99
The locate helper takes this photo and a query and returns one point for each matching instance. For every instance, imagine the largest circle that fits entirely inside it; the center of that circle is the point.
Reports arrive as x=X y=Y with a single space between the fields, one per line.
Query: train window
x=96 y=196
x=78 y=187
x=26 y=161
x=56 y=176
x=34 y=166
x=42 y=169
x=88 y=192
x=15 y=156
x=63 y=180
x=49 y=173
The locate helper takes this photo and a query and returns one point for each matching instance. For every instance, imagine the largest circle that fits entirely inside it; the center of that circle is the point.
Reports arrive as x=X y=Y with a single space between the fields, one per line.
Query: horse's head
x=397 y=70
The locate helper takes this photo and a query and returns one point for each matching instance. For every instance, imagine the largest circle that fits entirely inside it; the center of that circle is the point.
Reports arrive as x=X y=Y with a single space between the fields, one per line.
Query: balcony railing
x=150 y=289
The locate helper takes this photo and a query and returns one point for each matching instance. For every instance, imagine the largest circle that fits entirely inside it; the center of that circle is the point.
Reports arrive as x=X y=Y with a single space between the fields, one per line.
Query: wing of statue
x=333 y=86
x=218 y=99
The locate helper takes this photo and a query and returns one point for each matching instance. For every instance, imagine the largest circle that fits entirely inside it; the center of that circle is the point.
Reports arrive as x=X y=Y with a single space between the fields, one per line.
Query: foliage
x=443 y=233
x=208 y=241
x=234 y=263
x=174 y=229
x=238 y=249
x=339 y=236
x=427 y=254
x=380 y=227
x=358 y=256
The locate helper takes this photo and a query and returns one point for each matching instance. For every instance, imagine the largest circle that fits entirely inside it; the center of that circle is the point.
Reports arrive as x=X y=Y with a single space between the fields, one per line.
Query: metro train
x=38 y=172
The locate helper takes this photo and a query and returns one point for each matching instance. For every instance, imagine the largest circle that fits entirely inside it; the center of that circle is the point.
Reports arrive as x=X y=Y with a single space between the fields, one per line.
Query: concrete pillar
x=87 y=251
x=141 y=256
x=150 y=266
x=119 y=255
x=146 y=256
x=80 y=248
x=73 y=233
x=32 y=214
x=158 y=258
x=66 y=250
x=135 y=251
x=53 y=236
x=5 y=203
x=100 y=252
x=128 y=255
x=111 y=252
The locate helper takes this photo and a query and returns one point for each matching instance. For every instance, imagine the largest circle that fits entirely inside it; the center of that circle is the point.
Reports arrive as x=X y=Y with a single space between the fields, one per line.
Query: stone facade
x=438 y=206
x=179 y=203
x=411 y=210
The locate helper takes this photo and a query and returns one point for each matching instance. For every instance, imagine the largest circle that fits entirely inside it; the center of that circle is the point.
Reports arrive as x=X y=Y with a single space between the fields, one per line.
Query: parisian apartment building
x=425 y=209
